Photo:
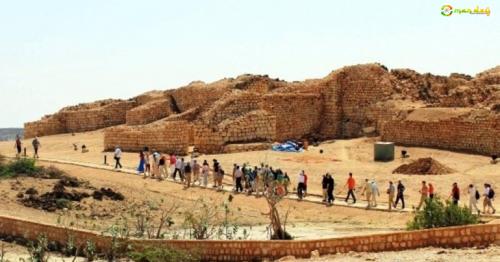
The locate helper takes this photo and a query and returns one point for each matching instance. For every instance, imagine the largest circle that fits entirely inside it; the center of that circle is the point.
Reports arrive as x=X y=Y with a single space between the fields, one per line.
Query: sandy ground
x=247 y=210
x=10 y=252
x=340 y=157
x=430 y=254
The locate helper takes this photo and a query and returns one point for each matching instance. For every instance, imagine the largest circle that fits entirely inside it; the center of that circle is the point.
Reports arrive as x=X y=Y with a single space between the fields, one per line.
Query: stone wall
x=297 y=115
x=478 y=136
x=47 y=126
x=257 y=250
x=86 y=117
x=149 y=112
x=168 y=137
x=93 y=119
x=360 y=87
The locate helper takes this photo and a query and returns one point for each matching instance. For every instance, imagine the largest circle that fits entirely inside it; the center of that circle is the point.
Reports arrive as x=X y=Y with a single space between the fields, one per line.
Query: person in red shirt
x=431 y=191
x=172 y=161
x=351 y=185
x=455 y=194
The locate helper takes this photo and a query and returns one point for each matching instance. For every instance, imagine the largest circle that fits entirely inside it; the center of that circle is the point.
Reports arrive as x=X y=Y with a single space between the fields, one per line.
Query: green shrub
x=165 y=254
x=436 y=213
x=63 y=203
x=23 y=166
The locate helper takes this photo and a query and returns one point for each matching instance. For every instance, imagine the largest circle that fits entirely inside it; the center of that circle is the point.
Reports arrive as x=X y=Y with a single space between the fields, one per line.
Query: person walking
x=140 y=168
x=305 y=184
x=196 y=172
x=216 y=170
x=301 y=185
x=36 y=145
x=489 y=195
x=351 y=184
x=324 y=186
x=147 y=162
x=431 y=191
x=391 y=192
x=330 y=185
x=474 y=196
x=238 y=175
x=179 y=166
x=18 y=145
x=367 y=191
x=455 y=194
x=286 y=182
x=172 y=160
x=424 y=193
x=162 y=166
x=205 y=170
x=375 y=192
x=187 y=175
x=155 y=159
x=400 y=195
x=117 y=156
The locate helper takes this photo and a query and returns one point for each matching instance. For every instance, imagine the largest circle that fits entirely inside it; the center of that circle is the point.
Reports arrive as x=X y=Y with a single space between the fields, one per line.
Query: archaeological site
x=458 y=112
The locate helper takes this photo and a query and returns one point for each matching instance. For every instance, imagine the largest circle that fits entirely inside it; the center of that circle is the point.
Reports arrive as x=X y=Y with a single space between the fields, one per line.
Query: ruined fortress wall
x=167 y=137
x=481 y=136
x=256 y=250
x=331 y=114
x=149 y=112
x=92 y=119
x=207 y=139
x=48 y=126
x=197 y=95
x=80 y=120
x=297 y=115
x=232 y=105
x=256 y=126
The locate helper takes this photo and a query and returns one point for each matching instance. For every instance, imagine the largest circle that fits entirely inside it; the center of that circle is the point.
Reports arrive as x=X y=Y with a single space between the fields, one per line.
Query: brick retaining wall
x=251 y=250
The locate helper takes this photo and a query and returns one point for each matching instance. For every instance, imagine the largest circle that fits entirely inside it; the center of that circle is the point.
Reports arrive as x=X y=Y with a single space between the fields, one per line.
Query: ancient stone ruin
x=249 y=112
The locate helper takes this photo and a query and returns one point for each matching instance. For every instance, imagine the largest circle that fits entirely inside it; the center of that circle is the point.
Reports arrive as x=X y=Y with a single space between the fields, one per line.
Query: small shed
x=384 y=151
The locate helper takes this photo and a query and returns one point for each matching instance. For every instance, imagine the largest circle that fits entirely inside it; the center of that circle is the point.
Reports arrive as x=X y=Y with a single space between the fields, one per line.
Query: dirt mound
x=109 y=193
x=60 y=198
x=423 y=166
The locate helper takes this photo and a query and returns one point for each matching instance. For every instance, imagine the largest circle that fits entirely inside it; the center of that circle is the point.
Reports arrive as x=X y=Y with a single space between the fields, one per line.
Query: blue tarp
x=288 y=146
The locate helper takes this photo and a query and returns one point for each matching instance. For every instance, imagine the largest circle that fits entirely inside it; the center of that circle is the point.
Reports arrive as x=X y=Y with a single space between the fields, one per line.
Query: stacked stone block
x=149 y=112
x=297 y=115
x=167 y=137
x=480 y=136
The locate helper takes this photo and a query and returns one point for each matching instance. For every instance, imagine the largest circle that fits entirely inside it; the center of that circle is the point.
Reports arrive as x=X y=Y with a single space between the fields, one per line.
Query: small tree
x=437 y=213
x=274 y=194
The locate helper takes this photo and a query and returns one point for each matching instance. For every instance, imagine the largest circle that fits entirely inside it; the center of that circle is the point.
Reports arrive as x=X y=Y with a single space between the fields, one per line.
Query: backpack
x=478 y=196
x=491 y=194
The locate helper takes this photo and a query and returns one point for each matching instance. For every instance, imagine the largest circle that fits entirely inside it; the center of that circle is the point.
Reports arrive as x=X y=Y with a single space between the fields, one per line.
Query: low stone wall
x=149 y=112
x=481 y=136
x=235 y=148
x=167 y=137
x=249 y=250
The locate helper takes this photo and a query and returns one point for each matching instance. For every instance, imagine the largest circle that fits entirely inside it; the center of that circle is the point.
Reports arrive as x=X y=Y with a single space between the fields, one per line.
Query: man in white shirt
x=473 y=198
x=118 y=156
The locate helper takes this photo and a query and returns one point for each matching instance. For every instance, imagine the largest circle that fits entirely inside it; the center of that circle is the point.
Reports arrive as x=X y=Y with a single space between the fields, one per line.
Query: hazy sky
x=57 y=53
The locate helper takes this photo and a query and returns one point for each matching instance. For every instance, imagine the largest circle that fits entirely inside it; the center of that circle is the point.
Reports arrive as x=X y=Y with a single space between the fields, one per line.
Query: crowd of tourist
x=258 y=179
